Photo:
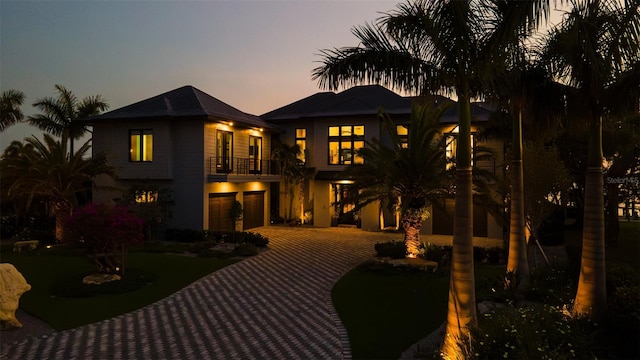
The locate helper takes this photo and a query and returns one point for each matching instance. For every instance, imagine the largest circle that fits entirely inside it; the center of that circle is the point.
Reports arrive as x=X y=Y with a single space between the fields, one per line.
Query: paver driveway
x=273 y=306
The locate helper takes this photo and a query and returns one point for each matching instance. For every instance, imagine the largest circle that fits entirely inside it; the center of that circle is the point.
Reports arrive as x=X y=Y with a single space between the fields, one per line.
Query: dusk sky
x=254 y=55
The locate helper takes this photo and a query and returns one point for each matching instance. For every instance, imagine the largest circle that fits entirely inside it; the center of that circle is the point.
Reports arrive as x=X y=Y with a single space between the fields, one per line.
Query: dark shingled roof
x=358 y=100
x=365 y=100
x=186 y=101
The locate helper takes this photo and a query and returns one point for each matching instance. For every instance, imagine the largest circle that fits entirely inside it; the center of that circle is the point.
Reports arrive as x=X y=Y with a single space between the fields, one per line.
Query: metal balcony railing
x=242 y=166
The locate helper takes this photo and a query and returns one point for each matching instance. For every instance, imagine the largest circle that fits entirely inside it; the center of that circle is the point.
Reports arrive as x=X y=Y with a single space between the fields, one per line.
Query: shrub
x=106 y=232
x=619 y=275
x=624 y=302
x=391 y=249
x=250 y=238
x=532 y=332
x=552 y=286
x=245 y=250
x=183 y=235
x=438 y=253
x=495 y=255
x=479 y=254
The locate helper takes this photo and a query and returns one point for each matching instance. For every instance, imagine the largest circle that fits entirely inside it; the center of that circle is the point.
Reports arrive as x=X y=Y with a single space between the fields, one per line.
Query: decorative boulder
x=12 y=286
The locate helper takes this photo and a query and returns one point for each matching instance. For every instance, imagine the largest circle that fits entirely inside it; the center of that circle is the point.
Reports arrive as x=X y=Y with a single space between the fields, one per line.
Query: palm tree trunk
x=302 y=201
x=517 y=262
x=62 y=212
x=411 y=226
x=461 y=311
x=591 y=297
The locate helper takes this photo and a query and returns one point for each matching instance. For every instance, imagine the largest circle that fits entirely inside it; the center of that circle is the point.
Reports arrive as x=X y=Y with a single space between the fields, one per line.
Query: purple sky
x=254 y=55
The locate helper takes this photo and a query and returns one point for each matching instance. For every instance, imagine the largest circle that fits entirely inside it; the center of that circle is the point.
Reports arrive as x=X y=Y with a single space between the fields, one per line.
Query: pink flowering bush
x=107 y=232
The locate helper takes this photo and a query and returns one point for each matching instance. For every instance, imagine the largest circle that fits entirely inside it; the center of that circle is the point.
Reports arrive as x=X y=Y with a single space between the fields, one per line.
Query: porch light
x=230 y=123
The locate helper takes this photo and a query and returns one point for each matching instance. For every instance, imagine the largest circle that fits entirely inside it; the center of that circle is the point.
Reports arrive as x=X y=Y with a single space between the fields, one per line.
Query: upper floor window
x=224 y=152
x=344 y=141
x=301 y=141
x=255 y=155
x=141 y=145
x=403 y=135
x=451 y=146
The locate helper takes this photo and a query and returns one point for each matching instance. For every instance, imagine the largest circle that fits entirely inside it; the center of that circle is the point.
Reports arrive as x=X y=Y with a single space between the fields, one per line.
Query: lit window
x=224 y=152
x=301 y=141
x=140 y=145
x=143 y=197
x=255 y=155
x=403 y=135
x=451 y=147
x=344 y=141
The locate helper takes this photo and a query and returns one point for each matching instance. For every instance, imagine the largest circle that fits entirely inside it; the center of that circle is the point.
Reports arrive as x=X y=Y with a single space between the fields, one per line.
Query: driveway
x=276 y=305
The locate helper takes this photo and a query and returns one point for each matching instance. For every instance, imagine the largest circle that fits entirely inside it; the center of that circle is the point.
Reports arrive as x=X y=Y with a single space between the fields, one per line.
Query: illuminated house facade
x=205 y=153
x=330 y=127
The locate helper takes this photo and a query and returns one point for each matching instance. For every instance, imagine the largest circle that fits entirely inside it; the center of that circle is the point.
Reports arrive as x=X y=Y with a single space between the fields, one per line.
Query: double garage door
x=220 y=204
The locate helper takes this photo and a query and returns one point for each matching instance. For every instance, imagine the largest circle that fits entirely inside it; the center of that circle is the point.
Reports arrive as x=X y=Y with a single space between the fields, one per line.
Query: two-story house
x=330 y=127
x=208 y=154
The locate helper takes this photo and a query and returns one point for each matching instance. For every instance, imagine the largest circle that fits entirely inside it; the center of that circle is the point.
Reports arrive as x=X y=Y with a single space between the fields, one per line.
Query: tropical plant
x=621 y=148
x=408 y=177
x=10 y=113
x=526 y=93
x=596 y=51
x=148 y=201
x=437 y=46
x=45 y=170
x=294 y=173
x=107 y=232
x=60 y=115
x=542 y=194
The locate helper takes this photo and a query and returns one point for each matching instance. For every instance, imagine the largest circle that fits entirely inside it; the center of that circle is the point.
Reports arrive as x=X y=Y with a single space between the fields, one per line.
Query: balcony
x=242 y=170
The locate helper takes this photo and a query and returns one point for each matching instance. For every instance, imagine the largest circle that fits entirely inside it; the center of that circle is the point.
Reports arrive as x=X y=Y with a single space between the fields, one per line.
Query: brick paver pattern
x=276 y=305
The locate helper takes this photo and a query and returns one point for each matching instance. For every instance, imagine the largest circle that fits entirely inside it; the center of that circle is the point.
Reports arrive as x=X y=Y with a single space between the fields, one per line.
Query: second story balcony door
x=255 y=155
x=224 y=152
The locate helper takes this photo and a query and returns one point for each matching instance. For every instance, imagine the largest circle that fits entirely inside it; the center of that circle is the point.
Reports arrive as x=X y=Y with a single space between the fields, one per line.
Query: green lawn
x=384 y=314
x=42 y=270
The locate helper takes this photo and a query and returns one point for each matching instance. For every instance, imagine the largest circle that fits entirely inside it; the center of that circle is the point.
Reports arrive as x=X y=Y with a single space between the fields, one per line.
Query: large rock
x=12 y=286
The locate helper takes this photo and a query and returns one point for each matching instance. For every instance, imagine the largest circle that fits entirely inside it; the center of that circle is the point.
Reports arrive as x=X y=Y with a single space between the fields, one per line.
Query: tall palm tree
x=10 y=112
x=44 y=169
x=593 y=50
x=60 y=115
x=432 y=46
x=408 y=178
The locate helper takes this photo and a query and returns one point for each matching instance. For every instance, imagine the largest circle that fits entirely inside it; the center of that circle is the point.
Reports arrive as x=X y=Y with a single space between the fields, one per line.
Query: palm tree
x=10 y=112
x=408 y=178
x=60 y=115
x=44 y=169
x=595 y=49
x=432 y=46
x=294 y=171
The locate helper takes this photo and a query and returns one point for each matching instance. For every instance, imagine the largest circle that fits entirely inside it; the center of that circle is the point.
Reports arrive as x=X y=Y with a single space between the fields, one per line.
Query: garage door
x=219 y=216
x=253 y=206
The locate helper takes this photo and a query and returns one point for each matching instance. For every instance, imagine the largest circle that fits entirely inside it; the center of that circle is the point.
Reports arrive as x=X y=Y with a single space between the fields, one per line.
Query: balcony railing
x=242 y=166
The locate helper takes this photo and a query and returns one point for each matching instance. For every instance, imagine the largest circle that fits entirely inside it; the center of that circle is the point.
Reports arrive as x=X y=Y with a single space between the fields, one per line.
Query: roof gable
x=358 y=100
x=186 y=101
